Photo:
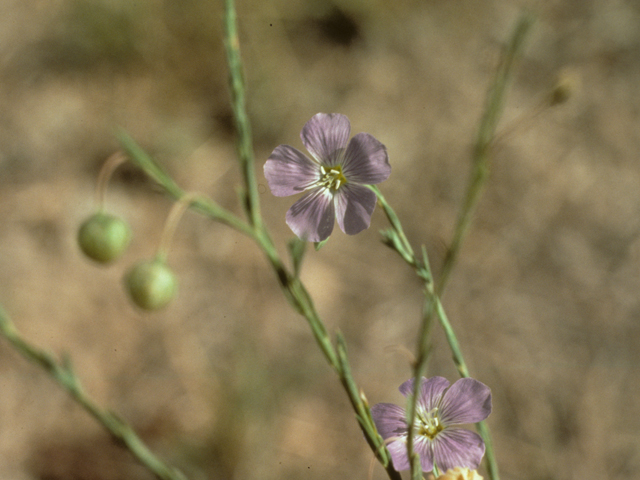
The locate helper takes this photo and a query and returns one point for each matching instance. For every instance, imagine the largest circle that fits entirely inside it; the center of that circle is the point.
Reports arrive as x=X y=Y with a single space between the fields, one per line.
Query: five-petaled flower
x=440 y=409
x=335 y=177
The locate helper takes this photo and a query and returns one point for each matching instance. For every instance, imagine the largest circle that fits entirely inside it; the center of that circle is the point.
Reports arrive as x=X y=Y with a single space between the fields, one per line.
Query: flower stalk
x=108 y=167
x=171 y=224
x=396 y=239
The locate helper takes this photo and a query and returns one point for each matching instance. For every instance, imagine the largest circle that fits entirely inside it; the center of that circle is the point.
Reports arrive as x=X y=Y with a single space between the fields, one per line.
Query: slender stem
x=292 y=287
x=62 y=372
x=481 y=156
x=171 y=224
x=433 y=307
x=206 y=207
x=108 y=167
x=397 y=240
x=484 y=141
x=238 y=102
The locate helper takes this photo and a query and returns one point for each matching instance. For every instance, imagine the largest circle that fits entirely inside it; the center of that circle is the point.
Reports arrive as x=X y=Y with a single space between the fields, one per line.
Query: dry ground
x=227 y=382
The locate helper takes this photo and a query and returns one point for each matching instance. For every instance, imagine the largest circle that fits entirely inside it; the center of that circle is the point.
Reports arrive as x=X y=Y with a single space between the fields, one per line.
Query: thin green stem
x=484 y=141
x=171 y=223
x=396 y=239
x=62 y=372
x=205 y=206
x=243 y=126
x=293 y=289
x=108 y=167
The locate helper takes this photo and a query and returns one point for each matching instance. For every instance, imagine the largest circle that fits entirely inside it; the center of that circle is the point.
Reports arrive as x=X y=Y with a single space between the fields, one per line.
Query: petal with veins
x=458 y=448
x=312 y=217
x=289 y=171
x=366 y=160
x=354 y=207
x=466 y=401
x=326 y=136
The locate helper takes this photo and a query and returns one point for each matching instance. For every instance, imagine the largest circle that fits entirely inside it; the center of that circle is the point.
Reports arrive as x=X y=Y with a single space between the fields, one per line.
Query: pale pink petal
x=326 y=136
x=424 y=448
x=366 y=160
x=398 y=451
x=354 y=207
x=458 y=448
x=430 y=392
x=312 y=217
x=466 y=401
x=389 y=419
x=289 y=171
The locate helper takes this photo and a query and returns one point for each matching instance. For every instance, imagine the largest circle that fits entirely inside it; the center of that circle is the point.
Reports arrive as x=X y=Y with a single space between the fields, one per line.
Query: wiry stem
x=171 y=224
x=108 y=167
x=484 y=141
x=62 y=372
x=243 y=126
x=396 y=239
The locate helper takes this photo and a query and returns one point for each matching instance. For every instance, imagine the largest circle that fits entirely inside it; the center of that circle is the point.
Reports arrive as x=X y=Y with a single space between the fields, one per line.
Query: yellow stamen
x=429 y=424
x=332 y=177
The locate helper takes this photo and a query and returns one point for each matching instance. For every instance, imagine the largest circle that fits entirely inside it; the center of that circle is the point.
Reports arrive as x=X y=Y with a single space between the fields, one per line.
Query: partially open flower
x=335 y=177
x=441 y=408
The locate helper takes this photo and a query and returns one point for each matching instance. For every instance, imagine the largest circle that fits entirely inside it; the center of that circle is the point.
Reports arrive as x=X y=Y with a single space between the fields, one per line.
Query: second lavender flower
x=441 y=409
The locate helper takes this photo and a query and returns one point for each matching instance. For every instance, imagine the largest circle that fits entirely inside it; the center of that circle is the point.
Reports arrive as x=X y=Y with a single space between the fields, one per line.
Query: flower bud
x=103 y=237
x=151 y=284
x=567 y=85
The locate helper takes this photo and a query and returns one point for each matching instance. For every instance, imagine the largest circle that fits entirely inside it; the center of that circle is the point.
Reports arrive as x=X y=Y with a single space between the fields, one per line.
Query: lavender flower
x=441 y=408
x=334 y=177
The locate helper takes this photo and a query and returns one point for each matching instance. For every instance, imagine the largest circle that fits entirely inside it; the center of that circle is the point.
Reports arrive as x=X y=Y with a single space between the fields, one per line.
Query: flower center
x=428 y=423
x=332 y=177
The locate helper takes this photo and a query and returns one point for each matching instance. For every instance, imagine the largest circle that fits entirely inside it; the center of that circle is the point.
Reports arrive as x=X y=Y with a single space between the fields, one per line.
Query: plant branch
x=396 y=239
x=243 y=126
x=63 y=374
x=292 y=287
x=483 y=144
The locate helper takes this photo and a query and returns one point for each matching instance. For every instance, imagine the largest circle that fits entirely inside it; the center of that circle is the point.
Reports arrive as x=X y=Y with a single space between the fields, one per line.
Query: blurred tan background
x=227 y=382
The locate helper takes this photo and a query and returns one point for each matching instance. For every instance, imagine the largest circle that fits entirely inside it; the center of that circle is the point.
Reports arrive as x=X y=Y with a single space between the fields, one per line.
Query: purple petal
x=458 y=448
x=289 y=171
x=430 y=392
x=424 y=448
x=312 y=217
x=467 y=401
x=389 y=419
x=325 y=136
x=366 y=160
x=354 y=207
x=399 y=458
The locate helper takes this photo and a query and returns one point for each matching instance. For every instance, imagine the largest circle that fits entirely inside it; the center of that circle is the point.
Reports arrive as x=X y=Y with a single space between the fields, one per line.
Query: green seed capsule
x=103 y=237
x=151 y=284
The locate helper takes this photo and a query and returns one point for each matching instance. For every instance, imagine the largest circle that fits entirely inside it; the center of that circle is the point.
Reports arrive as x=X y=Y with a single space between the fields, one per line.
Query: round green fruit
x=103 y=237
x=151 y=284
